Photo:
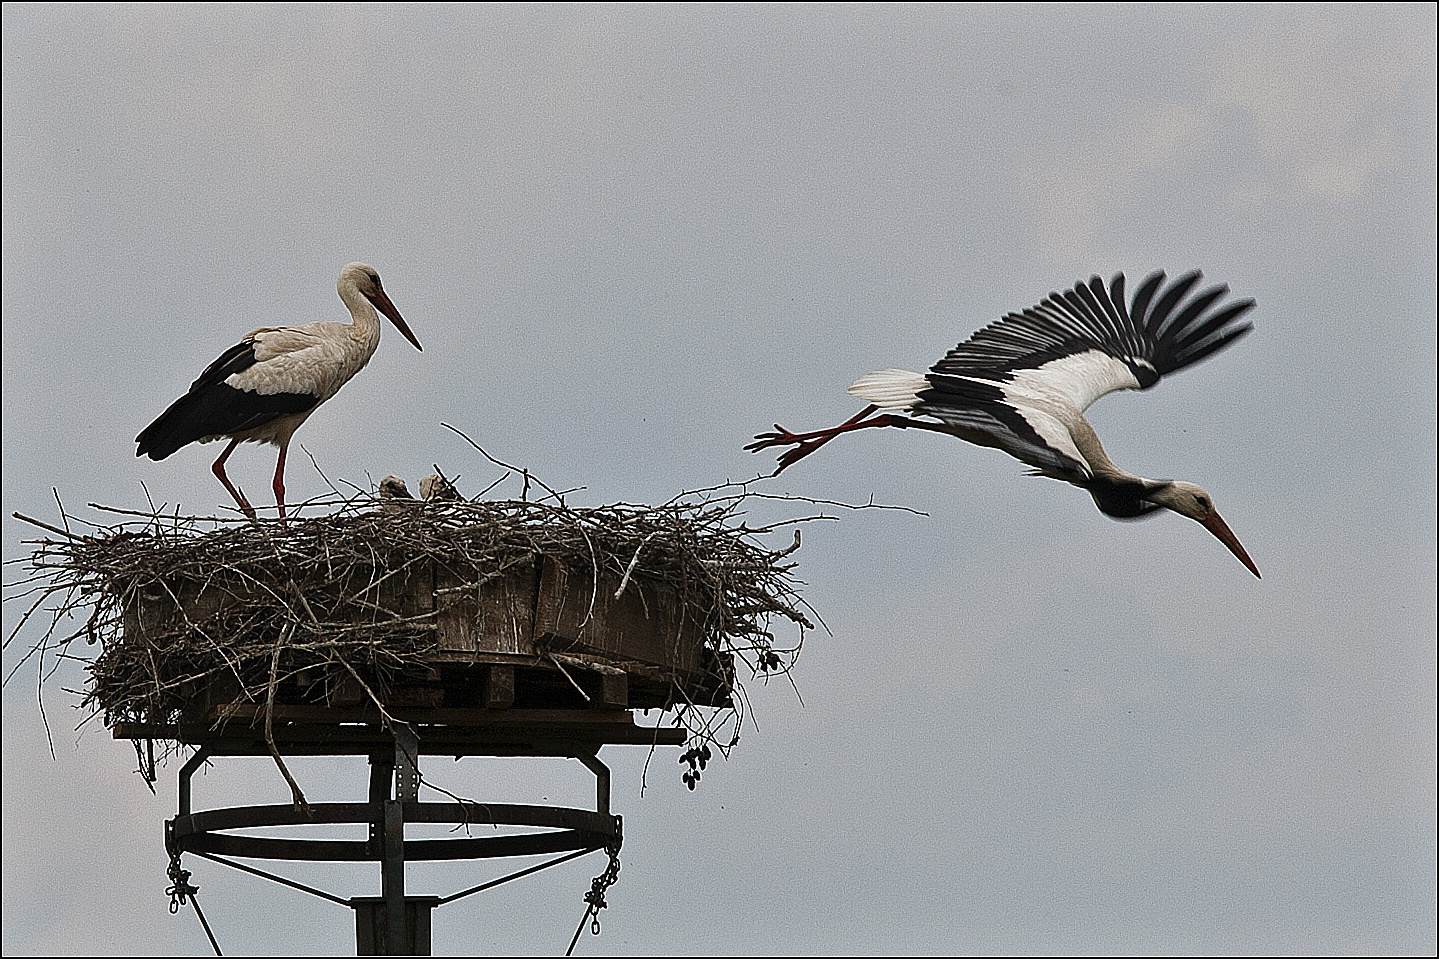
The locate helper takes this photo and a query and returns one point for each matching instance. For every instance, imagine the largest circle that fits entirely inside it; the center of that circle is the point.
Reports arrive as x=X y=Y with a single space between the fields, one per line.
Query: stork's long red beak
x=383 y=304
x=1221 y=531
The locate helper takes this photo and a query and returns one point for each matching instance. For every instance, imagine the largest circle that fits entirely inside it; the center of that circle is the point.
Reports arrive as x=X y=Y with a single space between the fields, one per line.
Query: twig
x=298 y=796
x=566 y=673
x=461 y=434
x=46 y=526
x=316 y=464
x=625 y=580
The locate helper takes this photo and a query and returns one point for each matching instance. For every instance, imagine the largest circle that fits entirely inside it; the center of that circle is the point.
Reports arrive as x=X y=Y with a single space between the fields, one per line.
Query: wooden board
x=494 y=615
x=645 y=623
x=532 y=631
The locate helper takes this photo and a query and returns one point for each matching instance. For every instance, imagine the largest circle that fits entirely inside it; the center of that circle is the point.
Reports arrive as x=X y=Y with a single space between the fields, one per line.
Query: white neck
x=365 y=327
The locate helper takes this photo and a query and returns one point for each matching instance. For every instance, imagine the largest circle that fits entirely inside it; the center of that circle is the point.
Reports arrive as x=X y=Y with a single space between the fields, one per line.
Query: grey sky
x=631 y=237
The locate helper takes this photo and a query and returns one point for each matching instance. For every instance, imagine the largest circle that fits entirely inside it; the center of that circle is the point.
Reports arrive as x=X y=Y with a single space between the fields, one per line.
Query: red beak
x=1222 y=532
x=383 y=304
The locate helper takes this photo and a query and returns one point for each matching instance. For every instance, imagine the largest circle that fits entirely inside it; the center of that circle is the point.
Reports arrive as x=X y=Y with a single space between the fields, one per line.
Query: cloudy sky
x=631 y=237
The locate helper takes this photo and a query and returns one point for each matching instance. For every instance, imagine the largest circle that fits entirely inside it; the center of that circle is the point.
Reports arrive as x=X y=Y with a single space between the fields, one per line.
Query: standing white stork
x=261 y=389
x=1022 y=384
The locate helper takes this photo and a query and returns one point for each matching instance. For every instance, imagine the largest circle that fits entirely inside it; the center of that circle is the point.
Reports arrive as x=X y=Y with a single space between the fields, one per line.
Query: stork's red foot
x=780 y=437
x=806 y=443
x=803 y=443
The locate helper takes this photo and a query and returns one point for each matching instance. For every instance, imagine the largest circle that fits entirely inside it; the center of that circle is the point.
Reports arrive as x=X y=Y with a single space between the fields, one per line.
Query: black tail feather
x=216 y=410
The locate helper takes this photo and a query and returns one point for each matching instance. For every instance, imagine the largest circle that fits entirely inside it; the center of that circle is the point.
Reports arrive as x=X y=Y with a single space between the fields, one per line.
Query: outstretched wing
x=1022 y=383
x=1080 y=344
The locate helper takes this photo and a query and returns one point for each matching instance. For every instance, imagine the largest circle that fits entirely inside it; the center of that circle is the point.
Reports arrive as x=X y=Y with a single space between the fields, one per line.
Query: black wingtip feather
x=1208 y=347
x=1116 y=295
x=1163 y=329
x=1144 y=294
x=1173 y=294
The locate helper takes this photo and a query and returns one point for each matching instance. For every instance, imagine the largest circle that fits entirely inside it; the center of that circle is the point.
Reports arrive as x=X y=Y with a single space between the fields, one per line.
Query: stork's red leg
x=279 y=483
x=806 y=443
x=219 y=470
x=783 y=437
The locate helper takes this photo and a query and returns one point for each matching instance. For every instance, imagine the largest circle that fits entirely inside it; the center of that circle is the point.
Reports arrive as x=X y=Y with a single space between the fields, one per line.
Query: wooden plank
x=483 y=611
x=552 y=732
x=499 y=687
x=614 y=690
x=254 y=713
x=645 y=623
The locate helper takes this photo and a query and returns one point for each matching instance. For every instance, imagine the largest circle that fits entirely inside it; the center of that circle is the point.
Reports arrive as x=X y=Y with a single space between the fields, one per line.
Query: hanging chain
x=180 y=888
x=596 y=896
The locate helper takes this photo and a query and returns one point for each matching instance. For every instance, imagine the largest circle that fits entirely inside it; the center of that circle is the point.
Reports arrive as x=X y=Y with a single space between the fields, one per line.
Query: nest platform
x=482 y=621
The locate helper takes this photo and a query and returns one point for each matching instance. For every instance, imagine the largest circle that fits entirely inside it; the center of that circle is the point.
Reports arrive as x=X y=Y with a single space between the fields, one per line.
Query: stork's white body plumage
x=264 y=387
x=1022 y=385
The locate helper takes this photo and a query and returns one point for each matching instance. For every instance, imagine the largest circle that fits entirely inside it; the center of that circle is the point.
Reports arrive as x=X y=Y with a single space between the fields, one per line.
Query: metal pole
x=186 y=771
x=387 y=834
x=392 y=871
x=392 y=880
x=602 y=781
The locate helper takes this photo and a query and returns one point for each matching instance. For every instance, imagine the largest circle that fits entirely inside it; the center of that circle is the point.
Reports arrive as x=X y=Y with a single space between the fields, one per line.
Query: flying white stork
x=1022 y=384
x=261 y=389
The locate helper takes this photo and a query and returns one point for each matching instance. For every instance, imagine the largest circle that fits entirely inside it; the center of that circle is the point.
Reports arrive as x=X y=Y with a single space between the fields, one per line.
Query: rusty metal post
x=387 y=840
x=602 y=781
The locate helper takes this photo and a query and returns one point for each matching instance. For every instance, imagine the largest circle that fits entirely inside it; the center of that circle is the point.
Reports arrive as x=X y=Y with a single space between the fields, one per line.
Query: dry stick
x=46 y=526
x=625 y=580
x=316 y=464
x=155 y=673
x=385 y=716
x=595 y=579
x=189 y=517
x=497 y=482
x=566 y=674
x=558 y=497
x=61 y=507
x=296 y=794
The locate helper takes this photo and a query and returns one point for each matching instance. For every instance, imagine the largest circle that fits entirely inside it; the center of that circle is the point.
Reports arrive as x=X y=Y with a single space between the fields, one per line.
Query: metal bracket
x=407 y=763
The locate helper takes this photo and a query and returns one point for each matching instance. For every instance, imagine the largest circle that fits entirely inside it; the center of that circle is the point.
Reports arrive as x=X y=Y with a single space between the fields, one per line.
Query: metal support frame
x=392 y=802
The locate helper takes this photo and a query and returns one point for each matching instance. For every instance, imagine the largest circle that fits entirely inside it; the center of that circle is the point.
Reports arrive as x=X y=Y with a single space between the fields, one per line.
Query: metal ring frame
x=569 y=829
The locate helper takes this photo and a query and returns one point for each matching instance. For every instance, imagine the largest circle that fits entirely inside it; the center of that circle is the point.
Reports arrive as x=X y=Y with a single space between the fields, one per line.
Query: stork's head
x=363 y=279
x=1186 y=499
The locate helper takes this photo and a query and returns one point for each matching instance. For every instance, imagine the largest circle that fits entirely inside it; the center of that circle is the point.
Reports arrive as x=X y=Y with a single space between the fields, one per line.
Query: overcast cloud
x=630 y=237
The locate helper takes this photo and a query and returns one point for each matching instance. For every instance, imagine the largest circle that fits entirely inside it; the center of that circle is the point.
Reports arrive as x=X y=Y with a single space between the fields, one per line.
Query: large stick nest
x=312 y=587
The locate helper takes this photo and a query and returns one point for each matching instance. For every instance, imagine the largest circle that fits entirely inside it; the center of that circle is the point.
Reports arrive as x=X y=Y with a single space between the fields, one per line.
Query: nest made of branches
x=315 y=580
